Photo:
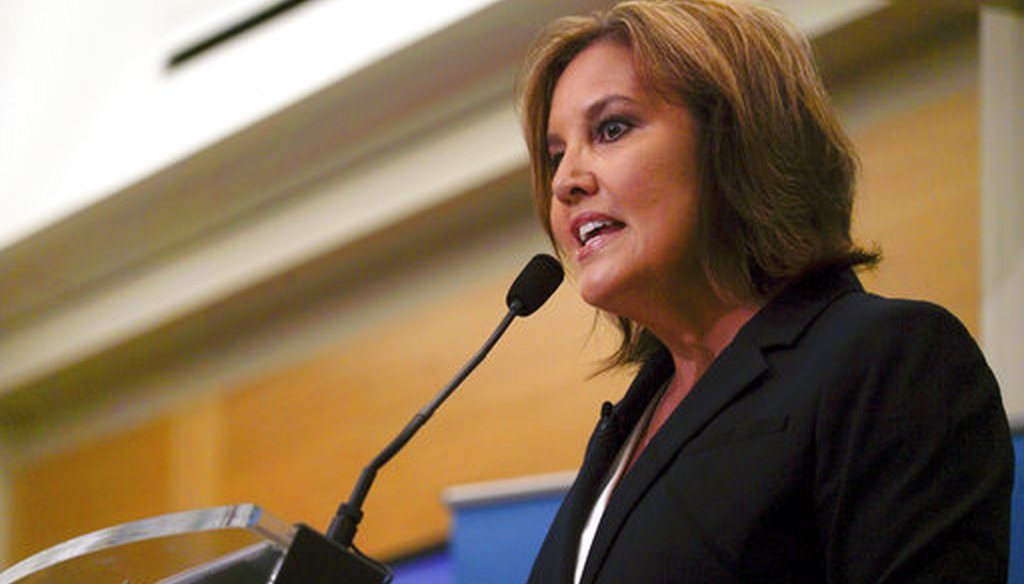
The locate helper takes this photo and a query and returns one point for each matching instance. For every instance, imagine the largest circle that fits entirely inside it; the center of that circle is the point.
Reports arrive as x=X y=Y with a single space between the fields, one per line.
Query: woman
x=784 y=426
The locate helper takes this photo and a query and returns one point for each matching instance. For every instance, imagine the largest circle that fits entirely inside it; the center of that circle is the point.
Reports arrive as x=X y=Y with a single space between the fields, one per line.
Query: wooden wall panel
x=99 y=484
x=295 y=440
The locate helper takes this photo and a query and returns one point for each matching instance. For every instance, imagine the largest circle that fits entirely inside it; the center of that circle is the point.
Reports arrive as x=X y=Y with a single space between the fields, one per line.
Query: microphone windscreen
x=534 y=285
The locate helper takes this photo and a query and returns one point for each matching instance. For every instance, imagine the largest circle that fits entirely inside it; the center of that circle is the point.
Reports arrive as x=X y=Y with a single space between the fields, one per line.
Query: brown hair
x=777 y=171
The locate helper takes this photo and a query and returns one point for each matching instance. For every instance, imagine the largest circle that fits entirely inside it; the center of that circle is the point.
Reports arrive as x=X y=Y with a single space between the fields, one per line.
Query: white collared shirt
x=618 y=468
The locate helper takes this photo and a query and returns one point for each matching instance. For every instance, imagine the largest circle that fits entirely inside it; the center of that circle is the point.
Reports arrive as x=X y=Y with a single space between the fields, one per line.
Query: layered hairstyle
x=776 y=170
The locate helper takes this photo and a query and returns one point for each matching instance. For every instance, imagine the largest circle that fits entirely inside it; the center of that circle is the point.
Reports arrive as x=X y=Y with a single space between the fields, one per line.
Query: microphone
x=531 y=288
x=534 y=285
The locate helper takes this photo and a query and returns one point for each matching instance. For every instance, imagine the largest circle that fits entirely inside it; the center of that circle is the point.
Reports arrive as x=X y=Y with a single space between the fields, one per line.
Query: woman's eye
x=554 y=159
x=612 y=130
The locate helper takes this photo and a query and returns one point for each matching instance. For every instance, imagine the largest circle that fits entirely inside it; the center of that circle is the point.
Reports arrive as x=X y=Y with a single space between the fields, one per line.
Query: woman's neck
x=698 y=328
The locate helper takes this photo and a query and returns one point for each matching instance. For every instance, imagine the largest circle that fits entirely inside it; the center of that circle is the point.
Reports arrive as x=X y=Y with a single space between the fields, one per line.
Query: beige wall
x=919 y=200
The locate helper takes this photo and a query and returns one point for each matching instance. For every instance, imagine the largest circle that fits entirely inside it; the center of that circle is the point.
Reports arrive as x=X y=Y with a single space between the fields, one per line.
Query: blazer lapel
x=733 y=371
x=740 y=364
x=612 y=429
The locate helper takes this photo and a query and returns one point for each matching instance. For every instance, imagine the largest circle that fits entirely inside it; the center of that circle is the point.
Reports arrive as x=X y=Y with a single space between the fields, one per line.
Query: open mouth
x=588 y=230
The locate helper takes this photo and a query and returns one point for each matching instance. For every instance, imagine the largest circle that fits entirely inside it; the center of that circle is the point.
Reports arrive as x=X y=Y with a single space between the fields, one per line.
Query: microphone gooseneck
x=534 y=285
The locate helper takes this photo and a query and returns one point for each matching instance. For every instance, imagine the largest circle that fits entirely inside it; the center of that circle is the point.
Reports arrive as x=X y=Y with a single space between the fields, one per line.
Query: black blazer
x=841 y=437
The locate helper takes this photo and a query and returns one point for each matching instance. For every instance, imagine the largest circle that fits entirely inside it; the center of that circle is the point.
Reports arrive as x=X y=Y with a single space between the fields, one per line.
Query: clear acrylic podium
x=237 y=544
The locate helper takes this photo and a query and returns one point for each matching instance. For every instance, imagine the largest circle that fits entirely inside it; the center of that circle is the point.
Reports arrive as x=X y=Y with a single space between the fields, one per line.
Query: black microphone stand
x=314 y=558
x=343 y=527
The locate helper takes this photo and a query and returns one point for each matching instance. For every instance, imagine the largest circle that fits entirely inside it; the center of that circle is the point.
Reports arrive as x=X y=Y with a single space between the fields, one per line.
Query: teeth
x=588 y=229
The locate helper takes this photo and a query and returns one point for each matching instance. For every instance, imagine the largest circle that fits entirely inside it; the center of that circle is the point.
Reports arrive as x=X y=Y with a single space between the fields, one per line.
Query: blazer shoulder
x=907 y=320
x=864 y=344
x=912 y=355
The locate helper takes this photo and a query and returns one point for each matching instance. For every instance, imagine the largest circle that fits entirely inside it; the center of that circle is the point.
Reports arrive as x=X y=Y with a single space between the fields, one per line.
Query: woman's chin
x=597 y=293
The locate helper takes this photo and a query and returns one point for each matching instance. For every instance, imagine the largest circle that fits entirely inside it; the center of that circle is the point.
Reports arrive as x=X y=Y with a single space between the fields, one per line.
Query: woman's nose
x=572 y=180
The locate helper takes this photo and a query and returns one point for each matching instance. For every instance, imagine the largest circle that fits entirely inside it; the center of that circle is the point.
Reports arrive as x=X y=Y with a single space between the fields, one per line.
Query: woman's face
x=625 y=187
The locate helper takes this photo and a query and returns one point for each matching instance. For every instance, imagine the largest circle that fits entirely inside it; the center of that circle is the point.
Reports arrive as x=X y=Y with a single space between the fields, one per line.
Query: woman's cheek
x=559 y=228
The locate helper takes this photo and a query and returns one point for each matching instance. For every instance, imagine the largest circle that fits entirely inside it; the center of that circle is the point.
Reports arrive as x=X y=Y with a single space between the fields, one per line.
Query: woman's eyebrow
x=597 y=108
x=594 y=112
